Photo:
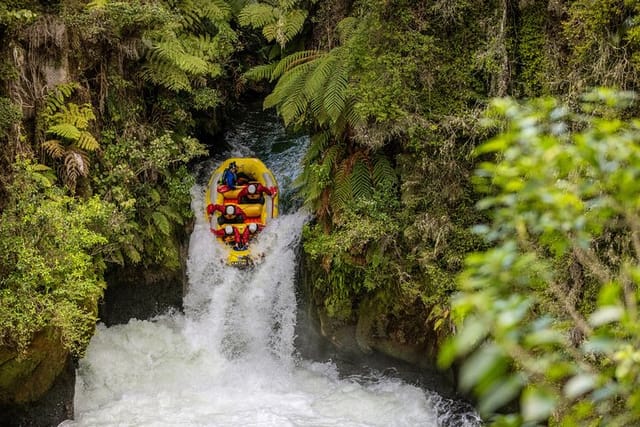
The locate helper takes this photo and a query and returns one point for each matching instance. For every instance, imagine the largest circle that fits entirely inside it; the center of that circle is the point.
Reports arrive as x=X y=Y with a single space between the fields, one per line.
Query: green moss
x=532 y=51
x=27 y=376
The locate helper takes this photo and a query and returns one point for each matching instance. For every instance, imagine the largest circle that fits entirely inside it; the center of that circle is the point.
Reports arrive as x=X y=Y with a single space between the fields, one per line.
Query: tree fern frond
x=54 y=148
x=132 y=253
x=292 y=61
x=383 y=172
x=257 y=15
x=87 y=142
x=313 y=191
x=286 y=86
x=215 y=10
x=76 y=165
x=336 y=92
x=291 y=25
x=173 y=52
x=352 y=116
x=319 y=76
x=330 y=156
x=71 y=113
x=361 y=184
x=166 y=76
x=161 y=222
x=318 y=143
x=64 y=130
x=58 y=95
x=287 y=4
x=346 y=28
x=260 y=72
x=341 y=194
x=295 y=105
x=171 y=213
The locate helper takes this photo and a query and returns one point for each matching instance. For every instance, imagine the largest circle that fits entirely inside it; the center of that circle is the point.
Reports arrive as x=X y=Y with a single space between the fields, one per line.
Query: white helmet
x=253 y=227
x=228 y=230
x=230 y=210
x=252 y=189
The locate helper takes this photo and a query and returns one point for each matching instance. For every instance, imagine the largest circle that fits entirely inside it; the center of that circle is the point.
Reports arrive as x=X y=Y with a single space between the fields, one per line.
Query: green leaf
x=579 y=385
x=607 y=314
x=538 y=403
x=65 y=130
x=161 y=221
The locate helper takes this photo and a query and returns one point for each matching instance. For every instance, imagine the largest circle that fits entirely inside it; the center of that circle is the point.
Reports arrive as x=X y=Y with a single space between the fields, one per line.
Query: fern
x=171 y=214
x=342 y=193
x=318 y=144
x=335 y=95
x=65 y=130
x=257 y=15
x=383 y=173
x=68 y=123
x=76 y=165
x=260 y=72
x=54 y=148
x=361 y=185
x=331 y=156
x=290 y=62
x=285 y=27
x=346 y=28
x=87 y=142
x=161 y=222
x=286 y=86
x=57 y=96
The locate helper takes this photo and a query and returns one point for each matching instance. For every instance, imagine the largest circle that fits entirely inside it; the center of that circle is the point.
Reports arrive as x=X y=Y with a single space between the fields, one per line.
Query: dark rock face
x=49 y=410
x=131 y=295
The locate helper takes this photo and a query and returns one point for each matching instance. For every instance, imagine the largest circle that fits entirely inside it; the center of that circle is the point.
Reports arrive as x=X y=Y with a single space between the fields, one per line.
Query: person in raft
x=229 y=234
x=230 y=176
x=231 y=214
x=254 y=193
x=250 y=232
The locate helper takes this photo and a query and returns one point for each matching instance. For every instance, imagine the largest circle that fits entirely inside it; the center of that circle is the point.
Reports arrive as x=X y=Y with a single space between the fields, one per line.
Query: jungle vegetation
x=415 y=212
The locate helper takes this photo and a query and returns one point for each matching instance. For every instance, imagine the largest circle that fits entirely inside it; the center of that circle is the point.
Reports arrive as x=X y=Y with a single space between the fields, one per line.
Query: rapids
x=230 y=358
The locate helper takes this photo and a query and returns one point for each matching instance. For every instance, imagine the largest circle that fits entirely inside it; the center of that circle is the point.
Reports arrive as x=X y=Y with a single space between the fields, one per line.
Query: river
x=231 y=357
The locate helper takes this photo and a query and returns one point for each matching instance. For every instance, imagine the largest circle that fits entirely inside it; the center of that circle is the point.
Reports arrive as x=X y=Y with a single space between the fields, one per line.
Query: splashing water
x=230 y=358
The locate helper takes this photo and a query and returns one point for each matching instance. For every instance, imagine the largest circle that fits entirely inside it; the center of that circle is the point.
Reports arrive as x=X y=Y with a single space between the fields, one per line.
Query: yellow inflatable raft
x=238 y=212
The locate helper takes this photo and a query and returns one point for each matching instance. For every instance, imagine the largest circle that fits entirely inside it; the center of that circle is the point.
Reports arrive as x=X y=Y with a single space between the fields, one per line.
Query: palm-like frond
x=383 y=173
x=347 y=28
x=87 y=142
x=290 y=62
x=54 y=148
x=65 y=131
x=257 y=15
x=57 y=97
x=318 y=143
x=166 y=75
x=77 y=115
x=285 y=27
x=342 y=193
x=335 y=95
x=161 y=222
x=361 y=185
x=261 y=72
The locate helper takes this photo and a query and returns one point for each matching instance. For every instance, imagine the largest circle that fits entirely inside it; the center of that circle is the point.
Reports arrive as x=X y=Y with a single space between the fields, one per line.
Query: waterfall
x=229 y=359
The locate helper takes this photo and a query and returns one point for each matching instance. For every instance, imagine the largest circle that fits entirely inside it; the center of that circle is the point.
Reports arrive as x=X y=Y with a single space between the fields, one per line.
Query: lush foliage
x=50 y=264
x=117 y=129
x=562 y=190
x=366 y=97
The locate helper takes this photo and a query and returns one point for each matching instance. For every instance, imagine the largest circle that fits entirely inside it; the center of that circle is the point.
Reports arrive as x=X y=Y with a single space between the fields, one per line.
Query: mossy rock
x=27 y=377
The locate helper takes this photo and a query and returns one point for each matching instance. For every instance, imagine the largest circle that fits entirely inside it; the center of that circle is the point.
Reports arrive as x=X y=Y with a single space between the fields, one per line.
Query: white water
x=230 y=359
